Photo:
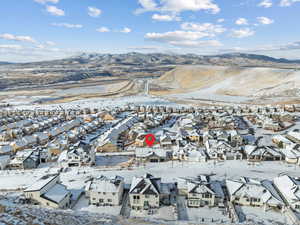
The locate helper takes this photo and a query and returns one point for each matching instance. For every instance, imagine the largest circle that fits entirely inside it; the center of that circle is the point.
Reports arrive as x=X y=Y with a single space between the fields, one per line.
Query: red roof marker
x=150 y=139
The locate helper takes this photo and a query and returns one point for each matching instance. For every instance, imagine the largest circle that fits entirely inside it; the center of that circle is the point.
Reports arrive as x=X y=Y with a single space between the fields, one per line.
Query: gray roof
x=57 y=193
x=41 y=183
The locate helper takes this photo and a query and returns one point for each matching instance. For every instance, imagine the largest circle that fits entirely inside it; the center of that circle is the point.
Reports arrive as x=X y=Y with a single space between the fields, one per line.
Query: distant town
x=214 y=164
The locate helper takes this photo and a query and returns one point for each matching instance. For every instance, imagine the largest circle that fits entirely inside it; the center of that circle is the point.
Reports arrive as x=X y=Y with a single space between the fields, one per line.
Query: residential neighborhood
x=218 y=159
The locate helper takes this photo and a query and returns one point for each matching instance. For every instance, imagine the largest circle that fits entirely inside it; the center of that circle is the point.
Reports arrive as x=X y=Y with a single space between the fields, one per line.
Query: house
x=252 y=192
x=106 y=116
x=179 y=153
x=42 y=138
x=54 y=148
x=262 y=153
x=294 y=136
x=45 y=155
x=4 y=161
x=289 y=188
x=104 y=191
x=165 y=141
x=140 y=139
x=27 y=159
x=235 y=138
x=18 y=145
x=152 y=154
x=6 y=149
x=193 y=135
x=108 y=145
x=281 y=141
x=48 y=191
x=198 y=155
x=78 y=155
x=110 y=140
x=217 y=149
x=204 y=192
x=291 y=154
x=148 y=192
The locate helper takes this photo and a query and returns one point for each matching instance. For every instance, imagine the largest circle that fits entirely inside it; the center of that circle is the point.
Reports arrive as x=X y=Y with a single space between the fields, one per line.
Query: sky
x=35 y=30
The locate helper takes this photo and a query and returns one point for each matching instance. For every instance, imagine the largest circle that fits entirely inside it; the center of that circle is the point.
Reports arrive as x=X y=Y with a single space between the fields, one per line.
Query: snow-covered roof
x=145 y=185
x=294 y=134
x=42 y=182
x=105 y=184
x=57 y=193
x=289 y=187
x=4 y=159
x=147 y=152
x=4 y=149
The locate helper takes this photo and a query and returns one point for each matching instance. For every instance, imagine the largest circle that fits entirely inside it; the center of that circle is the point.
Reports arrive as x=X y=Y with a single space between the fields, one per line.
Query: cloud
x=181 y=38
x=166 y=18
x=242 y=33
x=50 y=43
x=265 y=20
x=15 y=47
x=33 y=53
x=265 y=4
x=103 y=30
x=55 y=11
x=177 y=6
x=144 y=48
x=241 y=21
x=17 y=38
x=94 y=12
x=209 y=28
x=287 y=3
x=46 y=1
x=148 y=5
x=221 y=20
x=266 y=48
x=178 y=35
x=125 y=30
x=67 y=25
x=193 y=44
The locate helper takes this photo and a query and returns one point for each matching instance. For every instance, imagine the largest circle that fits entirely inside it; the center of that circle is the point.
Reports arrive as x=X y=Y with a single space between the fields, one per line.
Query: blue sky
x=33 y=30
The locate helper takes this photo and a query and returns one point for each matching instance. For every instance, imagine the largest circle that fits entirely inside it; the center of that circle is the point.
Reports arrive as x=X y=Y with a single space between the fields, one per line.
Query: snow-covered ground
x=76 y=178
x=263 y=217
x=83 y=205
x=169 y=171
x=163 y=213
x=94 y=103
x=208 y=215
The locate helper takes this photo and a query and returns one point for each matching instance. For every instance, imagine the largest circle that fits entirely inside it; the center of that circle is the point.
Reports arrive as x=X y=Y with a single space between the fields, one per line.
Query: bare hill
x=233 y=81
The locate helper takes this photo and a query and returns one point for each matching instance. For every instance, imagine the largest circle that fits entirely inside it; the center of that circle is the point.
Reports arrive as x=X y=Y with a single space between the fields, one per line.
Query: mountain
x=124 y=66
x=139 y=59
x=5 y=63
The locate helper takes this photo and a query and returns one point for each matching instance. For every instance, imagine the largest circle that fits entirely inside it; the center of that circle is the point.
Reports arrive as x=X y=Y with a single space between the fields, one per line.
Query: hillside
x=200 y=81
x=122 y=66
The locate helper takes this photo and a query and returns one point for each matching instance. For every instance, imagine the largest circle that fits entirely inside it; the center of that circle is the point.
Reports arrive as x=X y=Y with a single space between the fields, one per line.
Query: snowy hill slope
x=232 y=81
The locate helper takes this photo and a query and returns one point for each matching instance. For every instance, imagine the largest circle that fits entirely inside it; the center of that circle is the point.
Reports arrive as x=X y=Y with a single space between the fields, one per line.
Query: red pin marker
x=150 y=139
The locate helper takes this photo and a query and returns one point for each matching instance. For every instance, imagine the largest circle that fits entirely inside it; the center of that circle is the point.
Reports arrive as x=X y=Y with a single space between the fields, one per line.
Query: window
x=113 y=193
x=101 y=200
x=136 y=199
x=146 y=196
x=207 y=195
x=109 y=200
x=104 y=193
